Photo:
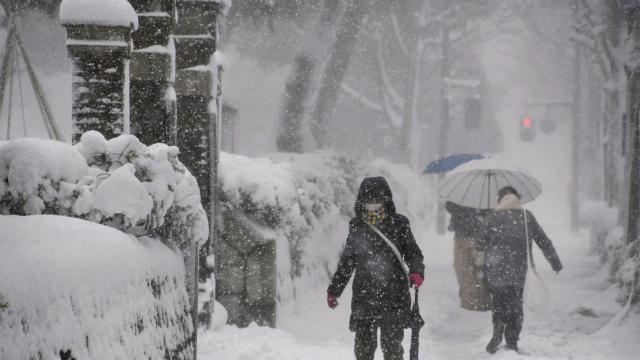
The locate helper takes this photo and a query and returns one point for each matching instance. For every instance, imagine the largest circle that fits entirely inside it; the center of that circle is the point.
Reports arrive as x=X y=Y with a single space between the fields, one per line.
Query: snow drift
x=72 y=285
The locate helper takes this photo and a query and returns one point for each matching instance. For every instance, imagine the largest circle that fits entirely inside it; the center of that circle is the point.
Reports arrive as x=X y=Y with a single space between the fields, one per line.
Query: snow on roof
x=98 y=12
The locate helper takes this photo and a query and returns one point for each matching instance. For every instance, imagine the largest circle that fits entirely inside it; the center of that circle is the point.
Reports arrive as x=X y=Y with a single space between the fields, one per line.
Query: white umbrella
x=476 y=184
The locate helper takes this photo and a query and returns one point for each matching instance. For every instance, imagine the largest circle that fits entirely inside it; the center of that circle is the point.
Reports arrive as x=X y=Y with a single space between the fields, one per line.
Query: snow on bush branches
x=139 y=189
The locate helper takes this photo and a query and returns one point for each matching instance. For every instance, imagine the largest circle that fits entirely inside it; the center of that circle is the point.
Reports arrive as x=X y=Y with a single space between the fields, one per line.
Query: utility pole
x=633 y=133
x=444 y=116
x=574 y=191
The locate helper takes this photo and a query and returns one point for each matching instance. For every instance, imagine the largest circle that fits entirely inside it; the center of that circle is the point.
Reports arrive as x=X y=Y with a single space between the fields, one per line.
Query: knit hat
x=507 y=190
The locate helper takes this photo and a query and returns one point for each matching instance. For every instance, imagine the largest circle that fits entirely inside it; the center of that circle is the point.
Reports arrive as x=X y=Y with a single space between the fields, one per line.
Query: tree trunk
x=334 y=71
x=574 y=191
x=296 y=94
x=632 y=218
x=300 y=82
x=444 y=118
x=633 y=206
x=613 y=113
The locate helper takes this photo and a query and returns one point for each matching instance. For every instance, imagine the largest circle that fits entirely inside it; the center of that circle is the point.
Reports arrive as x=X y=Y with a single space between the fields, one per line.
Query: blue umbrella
x=450 y=162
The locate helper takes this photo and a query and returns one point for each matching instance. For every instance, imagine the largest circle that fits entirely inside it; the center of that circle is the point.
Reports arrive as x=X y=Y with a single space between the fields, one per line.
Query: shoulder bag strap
x=529 y=243
x=395 y=250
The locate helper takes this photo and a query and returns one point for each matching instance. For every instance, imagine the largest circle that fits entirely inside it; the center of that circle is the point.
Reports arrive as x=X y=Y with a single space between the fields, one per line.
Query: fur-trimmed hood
x=509 y=202
x=374 y=188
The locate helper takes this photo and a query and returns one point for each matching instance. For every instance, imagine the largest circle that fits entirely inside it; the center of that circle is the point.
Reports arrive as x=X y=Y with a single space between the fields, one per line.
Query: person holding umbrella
x=467 y=223
x=383 y=253
x=509 y=231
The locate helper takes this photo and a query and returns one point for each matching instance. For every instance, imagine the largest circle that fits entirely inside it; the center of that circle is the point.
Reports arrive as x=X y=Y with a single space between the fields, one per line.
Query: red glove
x=332 y=301
x=415 y=279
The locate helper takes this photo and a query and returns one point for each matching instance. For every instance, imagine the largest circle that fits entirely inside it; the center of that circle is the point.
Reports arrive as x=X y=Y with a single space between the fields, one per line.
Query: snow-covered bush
x=607 y=241
x=89 y=291
x=601 y=220
x=139 y=189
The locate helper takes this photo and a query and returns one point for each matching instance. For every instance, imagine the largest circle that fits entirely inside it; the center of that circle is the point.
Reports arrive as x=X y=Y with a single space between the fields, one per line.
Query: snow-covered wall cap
x=98 y=12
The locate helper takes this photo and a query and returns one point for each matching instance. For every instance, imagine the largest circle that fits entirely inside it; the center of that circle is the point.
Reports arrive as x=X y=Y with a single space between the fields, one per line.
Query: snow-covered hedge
x=139 y=189
x=306 y=201
x=607 y=241
x=82 y=289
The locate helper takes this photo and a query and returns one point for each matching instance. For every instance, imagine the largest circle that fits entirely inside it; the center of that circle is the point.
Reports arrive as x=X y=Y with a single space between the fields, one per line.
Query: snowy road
x=580 y=323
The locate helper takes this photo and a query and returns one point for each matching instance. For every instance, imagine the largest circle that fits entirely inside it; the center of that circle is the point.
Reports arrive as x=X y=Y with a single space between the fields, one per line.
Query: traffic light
x=527 y=128
x=472 y=112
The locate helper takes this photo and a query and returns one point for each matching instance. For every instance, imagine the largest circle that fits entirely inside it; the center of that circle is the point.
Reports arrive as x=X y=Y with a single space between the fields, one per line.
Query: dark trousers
x=390 y=338
x=507 y=314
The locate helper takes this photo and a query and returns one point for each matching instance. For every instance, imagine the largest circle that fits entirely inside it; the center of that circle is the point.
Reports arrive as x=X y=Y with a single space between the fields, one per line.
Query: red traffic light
x=527 y=129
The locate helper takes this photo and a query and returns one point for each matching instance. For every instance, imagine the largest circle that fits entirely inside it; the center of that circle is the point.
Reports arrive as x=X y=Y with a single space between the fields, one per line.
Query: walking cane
x=416 y=323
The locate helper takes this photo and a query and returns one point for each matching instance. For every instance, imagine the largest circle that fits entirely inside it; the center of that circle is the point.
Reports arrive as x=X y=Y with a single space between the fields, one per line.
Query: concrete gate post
x=195 y=44
x=99 y=46
x=153 y=97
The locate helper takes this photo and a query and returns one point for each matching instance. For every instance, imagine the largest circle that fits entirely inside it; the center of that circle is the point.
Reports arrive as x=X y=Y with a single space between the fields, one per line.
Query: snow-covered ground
x=579 y=324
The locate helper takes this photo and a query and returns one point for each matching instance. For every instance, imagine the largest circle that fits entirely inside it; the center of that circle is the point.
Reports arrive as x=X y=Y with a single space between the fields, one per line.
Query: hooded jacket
x=506 y=244
x=380 y=286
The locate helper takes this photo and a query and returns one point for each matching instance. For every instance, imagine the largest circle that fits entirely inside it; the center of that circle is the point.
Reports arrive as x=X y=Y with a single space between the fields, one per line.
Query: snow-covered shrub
x=89 y=291
x=601 y=220
x=607 y=241
x=120 y=182
x=624 y=266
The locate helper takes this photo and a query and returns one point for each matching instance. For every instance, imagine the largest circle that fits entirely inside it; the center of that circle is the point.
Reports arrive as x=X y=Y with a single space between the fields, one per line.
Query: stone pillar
x=99 y=47
x=153 y=97
x=195 y=44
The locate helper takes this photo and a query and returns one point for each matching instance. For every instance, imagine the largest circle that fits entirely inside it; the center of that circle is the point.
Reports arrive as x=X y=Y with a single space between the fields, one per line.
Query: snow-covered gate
x=246 y=270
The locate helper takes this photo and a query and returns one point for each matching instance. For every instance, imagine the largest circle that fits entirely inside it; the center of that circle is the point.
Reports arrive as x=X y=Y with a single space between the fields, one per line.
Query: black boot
x=498 y=330
x=512 y=345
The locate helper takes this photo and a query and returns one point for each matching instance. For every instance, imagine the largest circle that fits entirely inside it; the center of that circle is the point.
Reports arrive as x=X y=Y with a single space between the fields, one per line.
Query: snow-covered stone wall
x=146 y=193
x=73 y=287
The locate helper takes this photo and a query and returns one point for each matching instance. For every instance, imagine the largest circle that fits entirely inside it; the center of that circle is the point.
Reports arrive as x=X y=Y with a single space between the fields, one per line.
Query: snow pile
x=139 y=189
x=307 y=200
x=132 y=302
x=98 y=12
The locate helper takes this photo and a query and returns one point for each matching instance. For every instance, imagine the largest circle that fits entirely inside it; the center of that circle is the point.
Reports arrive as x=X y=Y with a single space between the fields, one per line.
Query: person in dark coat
x=381 y=296
x=506 y=264
x=468 y=225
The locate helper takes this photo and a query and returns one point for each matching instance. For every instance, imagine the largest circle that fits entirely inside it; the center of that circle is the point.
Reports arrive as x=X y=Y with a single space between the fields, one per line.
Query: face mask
x=373 y=213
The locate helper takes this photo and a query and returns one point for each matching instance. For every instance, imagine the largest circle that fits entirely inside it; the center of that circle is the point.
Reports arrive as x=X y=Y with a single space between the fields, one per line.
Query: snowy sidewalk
x=573 y=328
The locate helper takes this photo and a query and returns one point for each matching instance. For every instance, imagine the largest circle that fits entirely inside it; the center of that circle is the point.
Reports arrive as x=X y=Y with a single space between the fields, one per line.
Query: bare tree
x=335 y=69
x=409 y=40
x=302 y=77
